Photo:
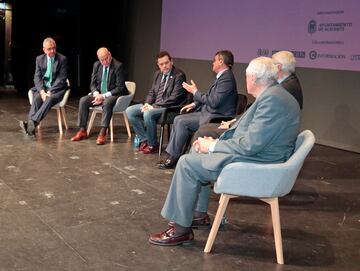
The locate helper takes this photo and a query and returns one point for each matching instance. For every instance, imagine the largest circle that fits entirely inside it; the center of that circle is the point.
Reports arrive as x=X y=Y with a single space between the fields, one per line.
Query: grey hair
x=264 y=70
x=286 y=59
x=49 y=40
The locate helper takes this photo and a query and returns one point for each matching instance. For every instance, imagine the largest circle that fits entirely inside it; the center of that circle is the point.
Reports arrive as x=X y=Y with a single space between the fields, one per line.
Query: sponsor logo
x=312 y=27
x=355 y=57
x=263 y=52
x=314 y=55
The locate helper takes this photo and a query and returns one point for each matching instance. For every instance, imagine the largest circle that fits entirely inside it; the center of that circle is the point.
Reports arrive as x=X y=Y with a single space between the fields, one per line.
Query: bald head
x=104 y=56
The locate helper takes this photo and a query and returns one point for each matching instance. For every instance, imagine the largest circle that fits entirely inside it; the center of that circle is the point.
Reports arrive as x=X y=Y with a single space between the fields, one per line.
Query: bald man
x=107 y=84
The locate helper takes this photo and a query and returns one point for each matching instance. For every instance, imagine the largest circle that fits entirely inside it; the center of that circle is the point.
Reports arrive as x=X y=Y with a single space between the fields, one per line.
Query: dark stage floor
x=78 y=206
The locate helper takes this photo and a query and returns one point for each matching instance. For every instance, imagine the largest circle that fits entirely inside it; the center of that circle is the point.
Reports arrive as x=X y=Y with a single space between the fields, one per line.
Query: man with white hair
x=286 y=62
x=265 y=133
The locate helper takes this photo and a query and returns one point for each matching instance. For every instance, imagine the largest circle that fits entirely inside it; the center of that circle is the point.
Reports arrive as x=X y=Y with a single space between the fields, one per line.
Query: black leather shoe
x=23 y=126
x=171 y=238
x=203 y=223
x=168 y=164
x=31 y=125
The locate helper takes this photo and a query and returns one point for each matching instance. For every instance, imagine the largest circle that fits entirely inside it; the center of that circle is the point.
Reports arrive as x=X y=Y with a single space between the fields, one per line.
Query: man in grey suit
x=107 y=84
x=220 y=100
x=166 y=91
x=265 y=133
x=50 y=85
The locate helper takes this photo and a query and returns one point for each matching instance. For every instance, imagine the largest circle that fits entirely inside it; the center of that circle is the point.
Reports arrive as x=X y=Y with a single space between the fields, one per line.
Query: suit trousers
x=40 y=108
x=84 y=107
x=144 y=123
x=184 y=126
x=189 y=189
x=208 y=129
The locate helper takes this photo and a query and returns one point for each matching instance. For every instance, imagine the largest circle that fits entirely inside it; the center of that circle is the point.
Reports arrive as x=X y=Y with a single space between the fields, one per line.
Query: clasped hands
x=202 y=144
x=146 y=107
x=44 y=95
x=98 y=99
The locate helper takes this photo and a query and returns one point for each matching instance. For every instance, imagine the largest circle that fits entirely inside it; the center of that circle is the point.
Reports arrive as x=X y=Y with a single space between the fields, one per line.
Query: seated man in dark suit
x=220 y=100
x=107 y=84
x=265 y=133
x=50 y=85
x=166 y=91
x=285 y=62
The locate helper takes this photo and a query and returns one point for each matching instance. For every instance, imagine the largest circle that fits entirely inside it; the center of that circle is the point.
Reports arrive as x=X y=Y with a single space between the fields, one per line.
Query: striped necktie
x=161 y=90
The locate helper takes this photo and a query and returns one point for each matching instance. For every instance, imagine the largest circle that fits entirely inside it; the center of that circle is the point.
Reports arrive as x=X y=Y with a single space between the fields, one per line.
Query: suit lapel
x=56 y=62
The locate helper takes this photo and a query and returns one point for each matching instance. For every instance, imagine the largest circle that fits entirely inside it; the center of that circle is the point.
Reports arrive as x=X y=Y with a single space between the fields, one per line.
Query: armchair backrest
x=265 y=180
x=124 y=101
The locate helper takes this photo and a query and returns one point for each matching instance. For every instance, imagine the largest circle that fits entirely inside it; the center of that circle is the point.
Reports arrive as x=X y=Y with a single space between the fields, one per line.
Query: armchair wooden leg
x=63 y=113
x=91 y=122
x=111 y=130
x=162 y=128
x=58 y=112
x=275 y=215
x=127 y=125
x=224 y=200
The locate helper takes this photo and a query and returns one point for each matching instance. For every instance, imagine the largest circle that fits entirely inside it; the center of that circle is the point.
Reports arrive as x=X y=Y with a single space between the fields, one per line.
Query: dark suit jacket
x=174 y=93
x=265 y=133
x=116 y=81
x=292 y=85
x=220 y=100
x=59 y=73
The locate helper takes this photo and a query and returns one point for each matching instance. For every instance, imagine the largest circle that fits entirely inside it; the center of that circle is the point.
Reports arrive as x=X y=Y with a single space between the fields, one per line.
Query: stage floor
x=78 y=206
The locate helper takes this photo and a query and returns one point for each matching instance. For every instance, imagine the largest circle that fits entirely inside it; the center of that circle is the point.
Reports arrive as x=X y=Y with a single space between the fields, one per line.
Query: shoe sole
x=75 y=140
x=184 y=243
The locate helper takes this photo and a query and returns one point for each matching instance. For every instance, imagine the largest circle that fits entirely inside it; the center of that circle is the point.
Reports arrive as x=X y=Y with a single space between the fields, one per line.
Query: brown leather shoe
x=101 y=139
x=80 y=135
x=150 y=149
x=203 y=223
x=170 y=238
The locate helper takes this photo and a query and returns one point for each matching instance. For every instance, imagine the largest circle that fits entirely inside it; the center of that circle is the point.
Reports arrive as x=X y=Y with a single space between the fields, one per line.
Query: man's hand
x=201 y=145
x=226 y=124
x=98 y=99
x=44 y=95
x=190 y=87
x=146 y=107
x=187 y=108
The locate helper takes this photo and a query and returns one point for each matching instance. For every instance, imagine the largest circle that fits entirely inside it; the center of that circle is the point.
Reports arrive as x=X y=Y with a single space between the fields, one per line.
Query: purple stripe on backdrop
x=322 y=33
